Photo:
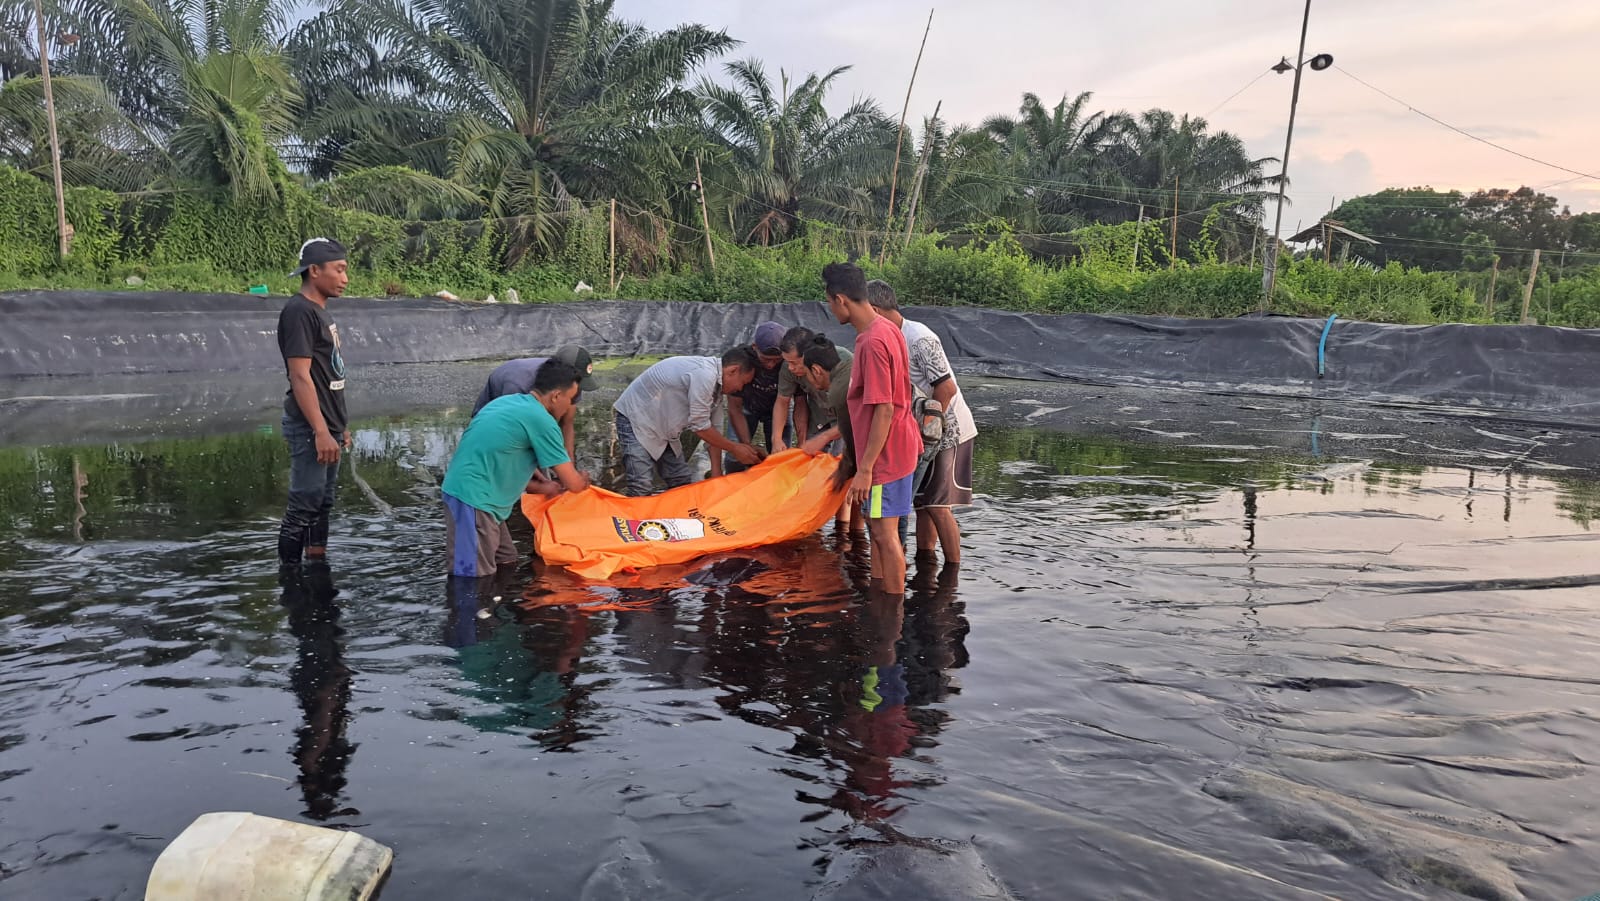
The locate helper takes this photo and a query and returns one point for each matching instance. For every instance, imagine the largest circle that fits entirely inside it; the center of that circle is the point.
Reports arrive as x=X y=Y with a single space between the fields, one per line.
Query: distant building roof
x=1315 y=233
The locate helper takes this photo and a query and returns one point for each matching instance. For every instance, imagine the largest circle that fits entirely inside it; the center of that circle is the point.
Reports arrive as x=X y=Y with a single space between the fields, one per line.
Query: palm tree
x=531 y=103
x=1159 y=151
x=1056 y=160
x=208 y=82
x=968 y=180
x=100 y=147
x=781 y=157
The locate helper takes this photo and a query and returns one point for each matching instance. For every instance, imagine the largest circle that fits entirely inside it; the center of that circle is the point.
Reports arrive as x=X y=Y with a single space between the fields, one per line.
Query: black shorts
x=948 y=482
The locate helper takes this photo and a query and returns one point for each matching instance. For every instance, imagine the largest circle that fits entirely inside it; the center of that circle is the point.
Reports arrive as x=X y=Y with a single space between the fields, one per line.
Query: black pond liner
x=1535 y=373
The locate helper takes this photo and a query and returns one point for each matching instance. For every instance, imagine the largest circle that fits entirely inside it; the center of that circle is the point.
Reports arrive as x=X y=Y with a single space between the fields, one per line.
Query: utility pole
x=1269 y=279
x=613 y=245
x=705 y=218
x=63 y=229
x=1527 y=292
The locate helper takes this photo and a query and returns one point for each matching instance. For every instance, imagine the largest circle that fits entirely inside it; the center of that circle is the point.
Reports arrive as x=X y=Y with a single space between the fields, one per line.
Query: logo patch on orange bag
x=659 y=529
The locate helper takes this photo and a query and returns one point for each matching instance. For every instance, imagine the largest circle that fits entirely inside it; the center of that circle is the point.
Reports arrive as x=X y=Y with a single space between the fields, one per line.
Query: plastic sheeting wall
x=1528 y=371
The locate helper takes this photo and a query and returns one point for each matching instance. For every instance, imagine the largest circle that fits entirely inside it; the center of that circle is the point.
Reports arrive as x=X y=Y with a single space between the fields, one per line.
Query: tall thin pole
x=922 y=173
x=613 y=244
x=1269 y=279
x=1527 y=292
x=1138 y=238
x=894 y=174
x=1494 y=276
x=1173 y=259
x=705 y=218
x=63 y=230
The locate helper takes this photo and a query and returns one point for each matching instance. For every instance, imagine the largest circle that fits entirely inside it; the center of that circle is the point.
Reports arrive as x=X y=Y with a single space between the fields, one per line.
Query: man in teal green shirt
x=503 y=448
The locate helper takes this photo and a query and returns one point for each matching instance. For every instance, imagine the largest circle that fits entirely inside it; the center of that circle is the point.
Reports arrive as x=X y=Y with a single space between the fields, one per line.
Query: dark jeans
x=641 y=468
x=312 y=487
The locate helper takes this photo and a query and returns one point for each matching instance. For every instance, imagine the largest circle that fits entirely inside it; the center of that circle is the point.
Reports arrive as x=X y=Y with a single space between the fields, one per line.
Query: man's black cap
x=318 y=251
x=579 y=359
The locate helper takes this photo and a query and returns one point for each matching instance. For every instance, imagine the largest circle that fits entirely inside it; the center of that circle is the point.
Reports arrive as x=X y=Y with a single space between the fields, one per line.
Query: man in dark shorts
x=945 y=481
x=750 y=407
x=887 y=439
x=314 y=421
x=510 y=439
x=516 y=377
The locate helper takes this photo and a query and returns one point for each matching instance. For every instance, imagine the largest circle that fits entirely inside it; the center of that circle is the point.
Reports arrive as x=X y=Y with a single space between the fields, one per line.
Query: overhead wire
x=1462 y=131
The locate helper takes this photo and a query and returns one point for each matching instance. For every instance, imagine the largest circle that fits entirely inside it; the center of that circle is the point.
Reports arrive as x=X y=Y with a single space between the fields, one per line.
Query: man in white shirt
x=676 y=395
x=947 y=480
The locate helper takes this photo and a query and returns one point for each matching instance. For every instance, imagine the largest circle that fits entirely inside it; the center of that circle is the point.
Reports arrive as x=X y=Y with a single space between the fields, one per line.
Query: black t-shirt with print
x=306 y=330
x=758 y=397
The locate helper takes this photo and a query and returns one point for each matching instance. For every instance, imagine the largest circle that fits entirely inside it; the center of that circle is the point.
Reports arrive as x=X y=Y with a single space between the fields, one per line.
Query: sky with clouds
x=1520 y=74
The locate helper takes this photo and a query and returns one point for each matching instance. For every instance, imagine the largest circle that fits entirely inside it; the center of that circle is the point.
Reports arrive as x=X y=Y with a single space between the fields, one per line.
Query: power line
x=1248 y=85
x=1463 y=132
x=1399 y=239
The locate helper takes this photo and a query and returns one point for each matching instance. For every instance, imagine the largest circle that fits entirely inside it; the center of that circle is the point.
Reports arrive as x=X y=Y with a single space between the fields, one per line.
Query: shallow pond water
x=1195 y=668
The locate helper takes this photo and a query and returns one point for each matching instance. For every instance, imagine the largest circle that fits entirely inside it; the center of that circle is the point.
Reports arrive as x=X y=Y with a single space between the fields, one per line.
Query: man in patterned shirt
x=947 y=481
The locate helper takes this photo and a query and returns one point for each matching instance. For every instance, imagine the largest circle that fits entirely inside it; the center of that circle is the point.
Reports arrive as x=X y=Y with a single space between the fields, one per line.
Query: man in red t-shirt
x=886 y=436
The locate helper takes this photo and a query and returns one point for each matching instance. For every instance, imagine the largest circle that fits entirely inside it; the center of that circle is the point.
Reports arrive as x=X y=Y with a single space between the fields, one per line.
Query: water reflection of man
x=899 y=669
x=521 y=663
x=320 y=681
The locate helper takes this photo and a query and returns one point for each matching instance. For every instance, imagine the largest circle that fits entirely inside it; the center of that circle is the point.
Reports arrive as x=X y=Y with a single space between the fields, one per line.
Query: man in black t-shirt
x=750 y=408
x=314 y=421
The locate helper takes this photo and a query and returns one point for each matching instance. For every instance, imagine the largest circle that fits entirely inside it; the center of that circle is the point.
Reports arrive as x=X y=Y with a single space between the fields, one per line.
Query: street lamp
x=63 y=228
x=1269 y=278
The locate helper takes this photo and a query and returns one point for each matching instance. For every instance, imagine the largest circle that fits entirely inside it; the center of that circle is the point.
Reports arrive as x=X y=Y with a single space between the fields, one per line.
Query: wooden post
x=613 y=245
x=1494 y=276
x=705 y=218
x=1527 y=293
x=894 y=174
x=1173 y=260
x=1327 y=243
x=1138 y=238
x=63 y=230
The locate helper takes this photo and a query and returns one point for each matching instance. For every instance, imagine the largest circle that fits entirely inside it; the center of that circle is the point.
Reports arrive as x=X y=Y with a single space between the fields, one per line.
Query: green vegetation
x=479 y=147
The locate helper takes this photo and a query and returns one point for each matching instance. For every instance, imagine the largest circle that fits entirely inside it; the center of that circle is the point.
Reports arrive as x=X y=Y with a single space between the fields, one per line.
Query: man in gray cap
x=517 y=377
x=751 y=406
x=314 y=421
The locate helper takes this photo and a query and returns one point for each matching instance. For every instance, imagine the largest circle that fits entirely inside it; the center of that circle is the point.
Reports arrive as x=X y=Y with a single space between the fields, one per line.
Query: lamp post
x=1269 y=278
x=63 y=228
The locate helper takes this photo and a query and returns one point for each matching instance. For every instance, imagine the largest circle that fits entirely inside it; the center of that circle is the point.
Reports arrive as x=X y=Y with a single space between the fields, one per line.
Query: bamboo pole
x=922 y=174
x=1527 y=292
x=705 y=218
x=613 y=245
x=63 y=229
x=894 y=175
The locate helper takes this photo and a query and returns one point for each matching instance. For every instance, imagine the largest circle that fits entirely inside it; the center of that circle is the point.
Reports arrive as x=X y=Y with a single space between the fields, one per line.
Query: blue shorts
x=890 y=499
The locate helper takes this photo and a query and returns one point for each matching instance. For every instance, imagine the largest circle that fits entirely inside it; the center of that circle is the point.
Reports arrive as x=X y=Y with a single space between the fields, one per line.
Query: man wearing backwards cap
x=314 y=421
x=752 y=405
x=517 y=376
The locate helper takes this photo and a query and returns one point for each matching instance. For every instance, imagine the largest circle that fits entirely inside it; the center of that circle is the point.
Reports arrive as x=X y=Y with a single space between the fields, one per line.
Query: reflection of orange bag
x=596 y=532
